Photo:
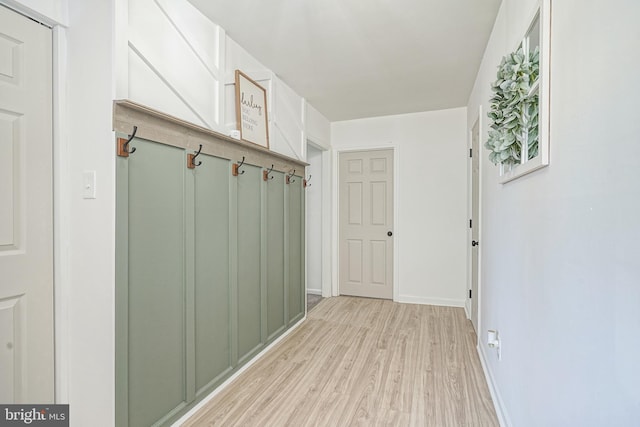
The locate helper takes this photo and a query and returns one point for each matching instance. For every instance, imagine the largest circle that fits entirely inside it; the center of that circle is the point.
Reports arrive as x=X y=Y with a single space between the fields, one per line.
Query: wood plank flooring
x=363 y=362
x=312 y=301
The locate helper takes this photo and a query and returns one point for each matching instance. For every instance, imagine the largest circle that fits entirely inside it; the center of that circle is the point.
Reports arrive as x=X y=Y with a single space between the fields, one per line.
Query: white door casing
x=314 y=221
x=475 y=223
x=321 y=183
x=26 y=219
x=365 y=222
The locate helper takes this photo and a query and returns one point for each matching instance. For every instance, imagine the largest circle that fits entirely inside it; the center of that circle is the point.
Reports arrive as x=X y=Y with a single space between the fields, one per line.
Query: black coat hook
x=289 y=176
x=125 y=147
x=306 y=182
x=126 y=144
x=193 y=159
x=235 y=170
x=266 y=174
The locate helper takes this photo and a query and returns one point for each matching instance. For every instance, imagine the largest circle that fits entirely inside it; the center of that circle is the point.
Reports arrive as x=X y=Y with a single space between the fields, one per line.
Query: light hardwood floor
x=365 y=362
x=312 y=301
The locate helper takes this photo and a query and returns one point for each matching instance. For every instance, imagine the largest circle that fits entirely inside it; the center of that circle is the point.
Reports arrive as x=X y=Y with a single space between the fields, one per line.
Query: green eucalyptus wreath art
x=514 y=109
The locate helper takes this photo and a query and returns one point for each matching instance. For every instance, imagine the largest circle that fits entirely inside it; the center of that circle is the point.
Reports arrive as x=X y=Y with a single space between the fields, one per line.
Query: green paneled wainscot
x=209 y=260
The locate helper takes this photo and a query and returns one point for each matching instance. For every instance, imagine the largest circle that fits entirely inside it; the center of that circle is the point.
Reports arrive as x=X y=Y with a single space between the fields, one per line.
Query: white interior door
x=475 y=203
x=26 y=225
x=366 y=223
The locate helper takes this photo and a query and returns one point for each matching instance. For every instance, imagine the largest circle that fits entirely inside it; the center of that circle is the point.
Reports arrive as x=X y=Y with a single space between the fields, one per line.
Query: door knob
x=474 y=243
x=389 y=233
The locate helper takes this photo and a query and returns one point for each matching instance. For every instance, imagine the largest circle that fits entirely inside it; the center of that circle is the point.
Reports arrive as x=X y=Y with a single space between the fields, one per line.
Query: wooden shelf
x=154 y=125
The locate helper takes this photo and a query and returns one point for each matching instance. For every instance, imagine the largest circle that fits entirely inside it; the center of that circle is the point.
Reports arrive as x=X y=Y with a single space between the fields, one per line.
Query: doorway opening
x=318 y=224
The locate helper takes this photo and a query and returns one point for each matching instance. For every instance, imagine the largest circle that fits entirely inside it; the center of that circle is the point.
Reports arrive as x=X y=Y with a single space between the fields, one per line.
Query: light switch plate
x=89 y=184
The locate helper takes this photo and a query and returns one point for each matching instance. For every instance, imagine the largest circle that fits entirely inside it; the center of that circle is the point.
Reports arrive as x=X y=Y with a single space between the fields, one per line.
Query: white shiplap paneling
x=175 y=60
x=183 y=64
x=287 y=121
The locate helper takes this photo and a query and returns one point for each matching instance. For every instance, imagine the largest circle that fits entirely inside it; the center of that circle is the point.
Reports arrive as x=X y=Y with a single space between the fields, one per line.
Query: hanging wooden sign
x=251 y=110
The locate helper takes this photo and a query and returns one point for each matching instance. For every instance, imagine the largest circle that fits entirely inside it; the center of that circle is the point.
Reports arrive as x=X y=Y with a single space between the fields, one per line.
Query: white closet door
x=26 y=229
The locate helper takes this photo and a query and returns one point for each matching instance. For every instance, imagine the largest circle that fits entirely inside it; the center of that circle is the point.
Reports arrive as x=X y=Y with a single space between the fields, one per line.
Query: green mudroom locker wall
x=209 y=264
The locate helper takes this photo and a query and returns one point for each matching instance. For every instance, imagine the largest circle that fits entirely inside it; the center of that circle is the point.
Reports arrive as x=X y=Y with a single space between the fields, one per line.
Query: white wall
x=286 y=123
x=318 y=128
x=319 y=236
x=560 y=271
x=432 y=204
x=89 y=245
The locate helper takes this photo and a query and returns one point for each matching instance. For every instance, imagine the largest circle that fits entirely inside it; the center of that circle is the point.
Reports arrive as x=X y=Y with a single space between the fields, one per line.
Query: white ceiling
x=364 y=58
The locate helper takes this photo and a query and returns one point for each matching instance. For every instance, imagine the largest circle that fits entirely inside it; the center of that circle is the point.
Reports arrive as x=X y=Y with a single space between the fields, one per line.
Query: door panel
x=378 y=203
x=9 y=315
x=11 y=174
x=354 y=262
x=366 y=216
x=26 y=224
x=378 y=262
x=355 y=203
x=212 y=294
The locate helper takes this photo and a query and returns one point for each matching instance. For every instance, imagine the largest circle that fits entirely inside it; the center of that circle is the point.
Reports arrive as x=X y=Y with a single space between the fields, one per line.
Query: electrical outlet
x=493 y=340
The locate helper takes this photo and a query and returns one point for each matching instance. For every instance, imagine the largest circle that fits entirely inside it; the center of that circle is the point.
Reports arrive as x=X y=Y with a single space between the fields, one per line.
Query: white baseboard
x=498 y=404
x=222 y=386
x=447 y=302
x=467 y=309
x=314 y=291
